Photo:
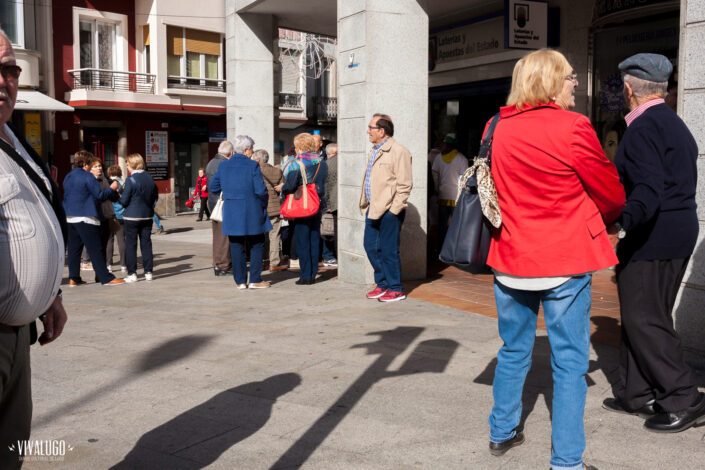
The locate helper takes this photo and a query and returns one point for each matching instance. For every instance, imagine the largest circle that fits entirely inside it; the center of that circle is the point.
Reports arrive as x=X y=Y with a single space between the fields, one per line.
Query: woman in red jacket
x=556 y=192
x=202 y=192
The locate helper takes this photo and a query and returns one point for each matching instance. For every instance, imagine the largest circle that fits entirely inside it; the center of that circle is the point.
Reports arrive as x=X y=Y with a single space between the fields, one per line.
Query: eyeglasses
x=10 y=72
x=373 y=127
x=573 y=77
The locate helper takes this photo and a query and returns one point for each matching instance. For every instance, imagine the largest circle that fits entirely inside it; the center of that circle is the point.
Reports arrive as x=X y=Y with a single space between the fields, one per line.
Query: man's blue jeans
x=381 y=241
x=567 y=315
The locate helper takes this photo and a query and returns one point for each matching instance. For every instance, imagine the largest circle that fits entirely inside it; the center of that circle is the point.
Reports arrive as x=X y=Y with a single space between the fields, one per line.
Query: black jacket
x=656 y=161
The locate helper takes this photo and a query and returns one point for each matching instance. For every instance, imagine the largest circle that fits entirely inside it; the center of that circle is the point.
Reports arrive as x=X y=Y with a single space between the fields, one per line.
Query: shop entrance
x=103 y=143
x=187 y=160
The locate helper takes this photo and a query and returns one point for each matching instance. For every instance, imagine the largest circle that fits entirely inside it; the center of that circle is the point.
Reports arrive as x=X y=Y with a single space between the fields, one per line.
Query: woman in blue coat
x=307 y=230
x=245 y=218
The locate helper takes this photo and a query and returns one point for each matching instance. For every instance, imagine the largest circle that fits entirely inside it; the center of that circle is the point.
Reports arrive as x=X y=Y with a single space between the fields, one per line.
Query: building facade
x=440 y=67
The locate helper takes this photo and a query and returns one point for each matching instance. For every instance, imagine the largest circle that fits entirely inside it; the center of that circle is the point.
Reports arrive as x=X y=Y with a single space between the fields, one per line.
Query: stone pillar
x=251 y=45
x=383 y=68
x=689 y=315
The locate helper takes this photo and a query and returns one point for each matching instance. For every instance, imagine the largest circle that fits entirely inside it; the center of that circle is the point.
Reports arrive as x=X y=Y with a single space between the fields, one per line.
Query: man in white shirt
x=31 y=265
x=446 y=169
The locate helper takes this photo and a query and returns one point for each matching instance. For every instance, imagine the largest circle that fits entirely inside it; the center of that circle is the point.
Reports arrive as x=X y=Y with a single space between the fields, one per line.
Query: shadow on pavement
x=428 y=356
x=171 y=351
x=200 y=435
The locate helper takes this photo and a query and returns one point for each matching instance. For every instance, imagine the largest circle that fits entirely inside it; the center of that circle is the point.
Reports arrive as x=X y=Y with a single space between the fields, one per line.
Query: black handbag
x=467 y=241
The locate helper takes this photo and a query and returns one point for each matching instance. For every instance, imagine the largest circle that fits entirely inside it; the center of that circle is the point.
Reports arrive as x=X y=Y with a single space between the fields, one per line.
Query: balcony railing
x=326 y=108
x=192 y=83
x=98 y=79
x=290 y=101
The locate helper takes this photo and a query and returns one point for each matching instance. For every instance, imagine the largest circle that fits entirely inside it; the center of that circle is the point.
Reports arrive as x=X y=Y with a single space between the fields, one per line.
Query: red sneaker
x=392 y=296
x=376 y=293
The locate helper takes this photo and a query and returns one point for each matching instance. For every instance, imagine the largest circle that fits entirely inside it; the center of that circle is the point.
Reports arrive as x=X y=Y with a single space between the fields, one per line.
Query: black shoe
x=301 y=282
x=499 y=448
x=311 y=281
x=199 y=220
x=614 y=404
x=679 y=420
x=220 y=272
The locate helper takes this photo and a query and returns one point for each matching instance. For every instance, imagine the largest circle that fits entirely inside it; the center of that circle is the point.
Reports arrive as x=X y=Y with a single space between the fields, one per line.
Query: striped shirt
x=639 y=110
x=375 y=149
x=31 y=243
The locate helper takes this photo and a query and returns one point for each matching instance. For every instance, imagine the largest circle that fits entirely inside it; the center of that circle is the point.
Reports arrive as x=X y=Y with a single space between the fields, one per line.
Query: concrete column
x=250 y=41
x=383 y=68
x=689 y=317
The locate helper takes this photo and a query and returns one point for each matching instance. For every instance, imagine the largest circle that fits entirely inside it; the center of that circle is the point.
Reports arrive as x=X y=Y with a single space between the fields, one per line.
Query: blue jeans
x=237 y=251
x=307 y=234
x=156 y=222
x=143 y=230
x=82 y=234
x=381 y=241
x=567 y=314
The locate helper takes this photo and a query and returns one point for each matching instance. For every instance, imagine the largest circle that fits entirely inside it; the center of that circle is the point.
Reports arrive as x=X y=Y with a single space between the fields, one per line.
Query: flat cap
x=650 y=67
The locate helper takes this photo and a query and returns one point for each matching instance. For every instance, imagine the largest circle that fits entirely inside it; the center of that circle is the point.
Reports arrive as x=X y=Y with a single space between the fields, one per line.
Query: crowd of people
x=561 y=198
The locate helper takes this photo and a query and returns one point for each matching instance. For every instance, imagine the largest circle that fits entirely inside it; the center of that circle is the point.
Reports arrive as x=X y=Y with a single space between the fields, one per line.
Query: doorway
x=187 y=160
x=103 y=143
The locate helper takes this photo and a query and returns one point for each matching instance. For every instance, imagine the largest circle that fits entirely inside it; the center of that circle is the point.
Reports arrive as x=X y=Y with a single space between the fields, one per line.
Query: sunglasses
x=10 y=72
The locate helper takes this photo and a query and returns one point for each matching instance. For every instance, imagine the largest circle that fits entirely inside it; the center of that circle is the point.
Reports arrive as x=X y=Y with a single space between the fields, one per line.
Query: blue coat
x=657 y=163
x=81 y=192
x=245 y=196
x=139 y=196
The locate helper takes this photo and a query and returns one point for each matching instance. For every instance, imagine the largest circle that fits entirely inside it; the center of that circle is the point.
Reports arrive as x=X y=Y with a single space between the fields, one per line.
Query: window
x=98 y=50
x=194 y=58
x=145 y=41
x=12 y=21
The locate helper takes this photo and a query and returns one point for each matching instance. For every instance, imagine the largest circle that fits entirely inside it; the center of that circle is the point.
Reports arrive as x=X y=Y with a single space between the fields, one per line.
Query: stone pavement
x=188 y=372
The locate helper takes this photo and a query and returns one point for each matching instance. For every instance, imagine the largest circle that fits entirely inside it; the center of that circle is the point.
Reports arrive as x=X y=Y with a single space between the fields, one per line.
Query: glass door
x=187 y=160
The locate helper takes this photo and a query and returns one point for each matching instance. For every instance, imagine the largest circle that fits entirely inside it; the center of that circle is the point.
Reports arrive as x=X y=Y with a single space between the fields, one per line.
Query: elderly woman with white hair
x=245 y=219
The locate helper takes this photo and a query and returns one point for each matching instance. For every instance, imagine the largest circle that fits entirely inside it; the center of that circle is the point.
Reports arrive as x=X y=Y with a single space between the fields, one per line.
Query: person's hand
x=279 y=187
x=114 y=185
x=612 y=233
x=328 y=210
x=54 y=320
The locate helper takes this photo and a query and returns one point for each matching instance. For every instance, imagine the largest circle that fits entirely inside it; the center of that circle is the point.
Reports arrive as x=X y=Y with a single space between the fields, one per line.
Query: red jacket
x=556 y=190
x=202 y=185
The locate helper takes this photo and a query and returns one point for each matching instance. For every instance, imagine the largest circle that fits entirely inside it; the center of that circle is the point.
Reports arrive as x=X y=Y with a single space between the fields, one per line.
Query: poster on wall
x=526 y=24
x=466 y=42
x=33 y=130
x=157 y=154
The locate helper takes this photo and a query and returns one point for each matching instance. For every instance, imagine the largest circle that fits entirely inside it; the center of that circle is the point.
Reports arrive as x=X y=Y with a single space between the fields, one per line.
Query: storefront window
x=12 y=21
x=612 y=46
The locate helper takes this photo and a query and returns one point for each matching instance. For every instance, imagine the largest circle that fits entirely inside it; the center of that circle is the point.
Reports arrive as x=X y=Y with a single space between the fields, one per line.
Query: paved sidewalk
x=188 y=372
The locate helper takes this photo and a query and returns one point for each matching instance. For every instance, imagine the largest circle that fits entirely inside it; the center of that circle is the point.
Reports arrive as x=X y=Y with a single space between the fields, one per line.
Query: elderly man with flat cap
x=658 y=228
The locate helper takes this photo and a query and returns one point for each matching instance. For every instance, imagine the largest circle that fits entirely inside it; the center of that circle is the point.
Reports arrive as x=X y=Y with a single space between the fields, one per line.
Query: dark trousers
x=117 y=233
x=82 y=234
x=329 y=242
x=221 y=248
x=15 y=392
x=204 y=208
x=237 y=250
x=307 y=233
x=143 y=230
x=444 y=215
x=651 y=357
x=381 y=241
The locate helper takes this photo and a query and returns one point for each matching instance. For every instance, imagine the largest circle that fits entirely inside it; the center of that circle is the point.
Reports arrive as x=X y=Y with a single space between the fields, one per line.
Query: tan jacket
x=272 y=175
x=390 y=181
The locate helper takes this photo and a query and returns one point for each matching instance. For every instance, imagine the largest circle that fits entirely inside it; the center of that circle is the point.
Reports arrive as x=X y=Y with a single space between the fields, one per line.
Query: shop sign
x=157 y=154
x=527 y=24
x=607 y=7
x=465 y=42
x=216 y=136
x=33 y=130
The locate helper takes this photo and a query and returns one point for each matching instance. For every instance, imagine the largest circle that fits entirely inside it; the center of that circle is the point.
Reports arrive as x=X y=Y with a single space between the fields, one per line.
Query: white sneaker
x=110 y=268
x=147 y=276
x=123 y=269
x=131 y=278
x=242 y=286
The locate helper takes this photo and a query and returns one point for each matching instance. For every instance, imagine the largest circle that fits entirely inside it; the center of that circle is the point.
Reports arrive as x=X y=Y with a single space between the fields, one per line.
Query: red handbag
x=190 y=203
x=304 y=202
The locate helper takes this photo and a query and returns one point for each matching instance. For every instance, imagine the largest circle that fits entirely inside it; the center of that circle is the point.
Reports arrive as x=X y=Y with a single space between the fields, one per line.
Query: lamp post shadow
x=428 y=356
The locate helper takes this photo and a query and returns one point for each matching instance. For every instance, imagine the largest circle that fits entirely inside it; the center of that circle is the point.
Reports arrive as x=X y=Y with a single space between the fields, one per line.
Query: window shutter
x=145 y=35
x=290 y=74
x=202 y=42
x=174 y=40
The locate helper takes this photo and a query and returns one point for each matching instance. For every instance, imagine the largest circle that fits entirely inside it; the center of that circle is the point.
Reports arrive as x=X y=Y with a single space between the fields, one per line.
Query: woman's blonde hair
x=305 y=142
x=538 y=78
x=135 y=161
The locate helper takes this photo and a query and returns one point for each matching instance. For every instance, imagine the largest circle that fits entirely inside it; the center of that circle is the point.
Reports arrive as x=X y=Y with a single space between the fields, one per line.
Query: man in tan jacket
x=386 y=186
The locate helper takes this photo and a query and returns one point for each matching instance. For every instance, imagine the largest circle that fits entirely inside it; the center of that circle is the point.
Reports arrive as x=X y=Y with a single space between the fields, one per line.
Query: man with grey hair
x=272 y=177
x=222 y=262
x=32 y=237
x=657 y=231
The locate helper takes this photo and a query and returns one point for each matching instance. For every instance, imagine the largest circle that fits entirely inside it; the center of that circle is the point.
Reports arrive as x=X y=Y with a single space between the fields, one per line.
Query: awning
x=32 y=100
